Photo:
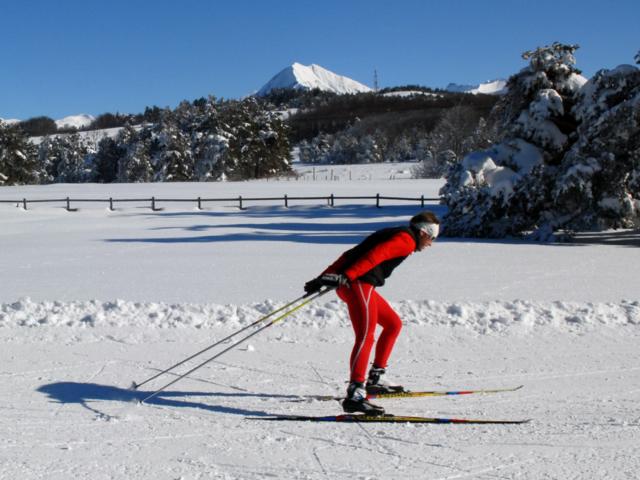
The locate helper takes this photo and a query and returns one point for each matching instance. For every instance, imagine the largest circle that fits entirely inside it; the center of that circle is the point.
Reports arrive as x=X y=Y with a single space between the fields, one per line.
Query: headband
x=431 y=229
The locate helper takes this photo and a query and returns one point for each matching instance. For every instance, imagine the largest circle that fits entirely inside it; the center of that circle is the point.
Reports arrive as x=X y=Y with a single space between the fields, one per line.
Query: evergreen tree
x=135 y=164
x=68 y=159
x=173 y=160
x=106 y=160
x=258 y=142
x=597 y=184
x=209 y=142
x=18 y=157
x=567 y=157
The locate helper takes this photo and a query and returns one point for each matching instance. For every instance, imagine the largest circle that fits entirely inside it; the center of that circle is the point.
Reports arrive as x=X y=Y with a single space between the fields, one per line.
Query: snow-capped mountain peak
x=308 y=77
x=492 y=87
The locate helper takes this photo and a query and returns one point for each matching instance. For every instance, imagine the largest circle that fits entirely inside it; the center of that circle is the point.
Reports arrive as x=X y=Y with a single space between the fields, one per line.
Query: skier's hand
x=334 y=280
x=313 y=286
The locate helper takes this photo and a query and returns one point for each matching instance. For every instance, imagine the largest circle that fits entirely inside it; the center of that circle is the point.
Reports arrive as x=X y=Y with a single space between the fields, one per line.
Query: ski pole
x=243 y=339
x=135 y=385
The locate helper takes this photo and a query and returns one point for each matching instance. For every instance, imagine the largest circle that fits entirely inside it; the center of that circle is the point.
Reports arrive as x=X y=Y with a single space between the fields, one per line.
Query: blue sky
x=67 y=57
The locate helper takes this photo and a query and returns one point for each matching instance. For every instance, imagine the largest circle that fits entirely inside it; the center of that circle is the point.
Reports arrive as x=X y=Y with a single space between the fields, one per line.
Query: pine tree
x=569 y=155
x=106 y=160
x=209 y=143
x=66 y=159
x=506 y=189
x=258 y=141
x=169 y=149
x=135 y=164
x=18 y=157
x=597 y=185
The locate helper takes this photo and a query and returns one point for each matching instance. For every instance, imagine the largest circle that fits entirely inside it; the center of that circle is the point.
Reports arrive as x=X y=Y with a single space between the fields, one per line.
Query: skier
x=356 y=274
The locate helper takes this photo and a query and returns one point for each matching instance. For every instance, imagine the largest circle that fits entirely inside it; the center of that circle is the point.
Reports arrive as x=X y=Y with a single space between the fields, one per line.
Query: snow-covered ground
x=92 y=300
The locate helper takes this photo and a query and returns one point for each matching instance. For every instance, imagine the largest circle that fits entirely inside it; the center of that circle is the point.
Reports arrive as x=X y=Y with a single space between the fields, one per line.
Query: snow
x=486 y=166
x=9 y=121
x=410 y=93
x=298 y=76
x=491 y=87
x=89 y=137
x=75 y=121
x=92 y=300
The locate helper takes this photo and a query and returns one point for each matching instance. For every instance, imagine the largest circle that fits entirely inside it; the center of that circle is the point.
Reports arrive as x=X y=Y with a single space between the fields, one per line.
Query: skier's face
x=424 y=241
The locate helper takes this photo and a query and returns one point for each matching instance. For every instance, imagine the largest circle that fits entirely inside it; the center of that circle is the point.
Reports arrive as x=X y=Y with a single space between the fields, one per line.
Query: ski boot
x=356 y=401
x=377 y=385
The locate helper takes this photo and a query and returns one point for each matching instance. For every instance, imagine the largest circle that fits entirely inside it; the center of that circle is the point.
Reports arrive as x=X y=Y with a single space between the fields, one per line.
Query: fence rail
x=200 y=201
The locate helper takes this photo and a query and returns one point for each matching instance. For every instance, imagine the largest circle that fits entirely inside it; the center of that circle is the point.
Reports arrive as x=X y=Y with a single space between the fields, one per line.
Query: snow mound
x=481 y=317
x=309 y=77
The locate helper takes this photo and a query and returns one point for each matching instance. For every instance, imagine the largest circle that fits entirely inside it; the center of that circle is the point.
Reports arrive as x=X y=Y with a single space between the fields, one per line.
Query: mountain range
x=308 y=77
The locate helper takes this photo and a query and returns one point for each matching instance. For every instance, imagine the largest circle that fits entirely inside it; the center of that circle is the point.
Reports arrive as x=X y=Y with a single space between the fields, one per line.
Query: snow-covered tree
x=173 y=158
x=505 y=189
x=568 y=156
x=258 y=141
x=135 y=165
x=18 y=157
x=597 y=185
x=66 y=159
x=209 y=143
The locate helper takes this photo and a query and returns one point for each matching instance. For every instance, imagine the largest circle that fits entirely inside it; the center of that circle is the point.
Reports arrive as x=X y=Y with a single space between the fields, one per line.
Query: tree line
x=204 y=140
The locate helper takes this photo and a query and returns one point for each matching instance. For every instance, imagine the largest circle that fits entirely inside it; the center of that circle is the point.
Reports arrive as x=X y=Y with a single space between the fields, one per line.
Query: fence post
x=378 y=200
x=69 y=209
x=111 y=204
x=240 y=202
x=422 y=201
x=199 y=204
x=286 y=201
x=24 y=203
x=331 y=200
x=153 y=205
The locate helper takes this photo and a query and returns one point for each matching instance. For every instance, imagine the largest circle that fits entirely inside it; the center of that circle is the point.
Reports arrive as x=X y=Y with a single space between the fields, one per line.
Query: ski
x=417 y=394
x=386 y=418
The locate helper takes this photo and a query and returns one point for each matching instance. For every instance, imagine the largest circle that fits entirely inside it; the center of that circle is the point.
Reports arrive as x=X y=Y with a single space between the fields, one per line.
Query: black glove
x=313 y=286
x=332 y=280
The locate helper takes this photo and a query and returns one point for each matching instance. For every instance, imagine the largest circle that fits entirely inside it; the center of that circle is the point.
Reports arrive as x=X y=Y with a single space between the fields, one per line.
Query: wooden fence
x=199 y=201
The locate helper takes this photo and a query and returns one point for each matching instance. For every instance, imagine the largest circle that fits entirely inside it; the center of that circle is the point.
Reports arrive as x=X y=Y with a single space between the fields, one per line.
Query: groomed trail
x=69 y=412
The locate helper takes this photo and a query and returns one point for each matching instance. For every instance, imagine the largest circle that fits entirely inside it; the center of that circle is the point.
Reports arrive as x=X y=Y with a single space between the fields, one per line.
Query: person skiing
x=355 y=275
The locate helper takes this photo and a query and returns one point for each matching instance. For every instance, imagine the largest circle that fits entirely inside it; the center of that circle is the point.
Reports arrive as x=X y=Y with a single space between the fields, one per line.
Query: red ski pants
x=366 y=310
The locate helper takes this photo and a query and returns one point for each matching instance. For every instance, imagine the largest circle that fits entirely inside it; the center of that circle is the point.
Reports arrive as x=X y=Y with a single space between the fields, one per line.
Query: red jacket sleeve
x=400 y=245
x=336 y=266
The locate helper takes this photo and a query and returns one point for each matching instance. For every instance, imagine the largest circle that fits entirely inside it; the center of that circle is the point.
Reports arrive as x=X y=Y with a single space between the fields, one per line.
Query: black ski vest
x=377 y=275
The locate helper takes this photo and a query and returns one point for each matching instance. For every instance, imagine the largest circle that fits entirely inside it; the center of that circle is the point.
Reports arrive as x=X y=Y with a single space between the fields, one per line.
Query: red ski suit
x=366 y=266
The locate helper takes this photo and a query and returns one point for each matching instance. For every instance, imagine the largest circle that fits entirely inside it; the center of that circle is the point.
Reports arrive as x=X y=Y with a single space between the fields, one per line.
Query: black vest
x=377 y=275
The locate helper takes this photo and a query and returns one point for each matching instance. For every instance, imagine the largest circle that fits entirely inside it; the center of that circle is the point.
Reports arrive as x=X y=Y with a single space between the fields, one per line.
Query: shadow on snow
x=313 y=225
x=86 y=393
x=316 y=232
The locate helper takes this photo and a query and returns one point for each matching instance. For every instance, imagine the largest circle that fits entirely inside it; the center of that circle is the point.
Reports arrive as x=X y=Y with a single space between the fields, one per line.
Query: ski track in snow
x=63 y=418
